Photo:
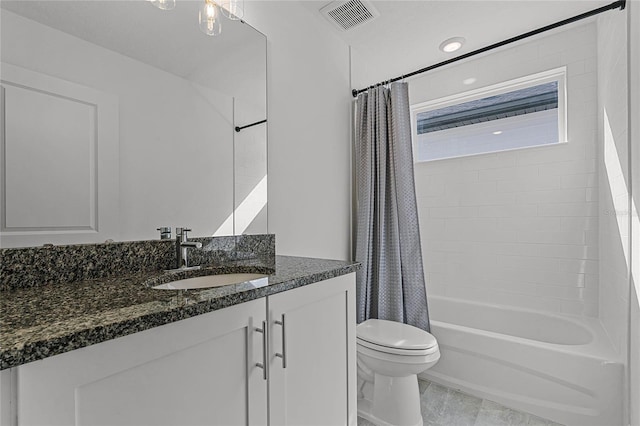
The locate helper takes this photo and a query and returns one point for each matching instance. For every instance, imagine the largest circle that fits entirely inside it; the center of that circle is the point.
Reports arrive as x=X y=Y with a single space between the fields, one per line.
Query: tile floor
x=442 y=406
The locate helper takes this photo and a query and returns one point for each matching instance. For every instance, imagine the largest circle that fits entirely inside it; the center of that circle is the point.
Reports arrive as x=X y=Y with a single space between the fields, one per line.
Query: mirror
x=119 y=118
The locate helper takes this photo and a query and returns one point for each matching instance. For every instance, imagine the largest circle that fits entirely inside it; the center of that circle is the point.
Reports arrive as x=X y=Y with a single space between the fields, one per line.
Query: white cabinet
x=312 y=380
x=199 y=371
x=203 y=370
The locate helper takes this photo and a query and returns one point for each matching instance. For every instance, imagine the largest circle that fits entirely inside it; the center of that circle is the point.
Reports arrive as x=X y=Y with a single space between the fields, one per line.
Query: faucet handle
x=182 y=232
x=165 y=232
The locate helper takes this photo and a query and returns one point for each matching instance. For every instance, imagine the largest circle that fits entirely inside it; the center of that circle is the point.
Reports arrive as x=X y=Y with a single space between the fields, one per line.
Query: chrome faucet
x=181 y=249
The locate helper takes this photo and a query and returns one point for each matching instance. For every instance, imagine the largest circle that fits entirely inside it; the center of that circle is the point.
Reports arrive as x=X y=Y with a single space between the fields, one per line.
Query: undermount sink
x=209 y=281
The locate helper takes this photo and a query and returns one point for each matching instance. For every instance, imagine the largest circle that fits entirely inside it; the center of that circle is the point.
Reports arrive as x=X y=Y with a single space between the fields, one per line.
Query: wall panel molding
x=59 y=160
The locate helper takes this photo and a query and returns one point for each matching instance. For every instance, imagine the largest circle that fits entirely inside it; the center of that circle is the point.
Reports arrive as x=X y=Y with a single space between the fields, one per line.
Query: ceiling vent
x=346 y=15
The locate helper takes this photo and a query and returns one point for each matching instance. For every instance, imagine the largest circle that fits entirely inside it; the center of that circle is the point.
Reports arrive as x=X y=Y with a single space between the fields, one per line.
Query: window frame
x=558 y=75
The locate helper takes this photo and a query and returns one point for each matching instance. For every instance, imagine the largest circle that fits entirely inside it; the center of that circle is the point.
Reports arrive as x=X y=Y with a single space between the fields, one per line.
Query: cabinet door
x=312 y=355
x=199 y=371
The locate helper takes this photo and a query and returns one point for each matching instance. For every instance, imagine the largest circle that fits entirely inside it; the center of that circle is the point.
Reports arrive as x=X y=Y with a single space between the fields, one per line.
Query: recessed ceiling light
x=469 y=80
x=497 y=132
x=452 y=44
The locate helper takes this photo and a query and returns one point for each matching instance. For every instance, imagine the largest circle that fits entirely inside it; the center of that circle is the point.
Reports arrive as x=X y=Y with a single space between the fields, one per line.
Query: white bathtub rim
x=577 y=320
x=593 y=350
x=600 y=346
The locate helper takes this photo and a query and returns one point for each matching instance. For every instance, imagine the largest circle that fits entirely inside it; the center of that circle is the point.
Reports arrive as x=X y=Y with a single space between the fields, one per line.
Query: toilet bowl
x=390 y=356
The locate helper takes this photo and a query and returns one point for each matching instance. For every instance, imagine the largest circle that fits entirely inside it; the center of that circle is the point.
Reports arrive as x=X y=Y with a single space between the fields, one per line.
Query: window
x=521 y=113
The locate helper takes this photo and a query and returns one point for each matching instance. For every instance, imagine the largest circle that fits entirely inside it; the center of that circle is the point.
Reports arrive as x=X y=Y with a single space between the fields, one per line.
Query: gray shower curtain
x=391 y=283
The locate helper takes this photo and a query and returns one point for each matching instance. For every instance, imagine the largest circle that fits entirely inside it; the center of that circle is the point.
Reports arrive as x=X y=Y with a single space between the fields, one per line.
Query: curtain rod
x=238 y=128
x=615 y=5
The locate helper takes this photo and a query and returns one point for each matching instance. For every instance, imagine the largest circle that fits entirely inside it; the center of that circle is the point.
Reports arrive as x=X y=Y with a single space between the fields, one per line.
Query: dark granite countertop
x=39 y=322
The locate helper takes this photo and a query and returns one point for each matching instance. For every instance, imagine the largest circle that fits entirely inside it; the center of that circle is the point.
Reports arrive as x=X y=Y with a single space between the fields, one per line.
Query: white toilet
x=390 y=356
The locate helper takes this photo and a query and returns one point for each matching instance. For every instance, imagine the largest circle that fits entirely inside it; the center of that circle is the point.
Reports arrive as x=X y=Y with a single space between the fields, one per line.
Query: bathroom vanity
x=84 y=337
x=278 y=351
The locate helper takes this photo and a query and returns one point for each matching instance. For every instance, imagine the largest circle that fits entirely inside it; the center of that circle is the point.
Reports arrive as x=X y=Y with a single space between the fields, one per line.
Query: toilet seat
x=395 y=338
x=400 y=359
x=397 y=351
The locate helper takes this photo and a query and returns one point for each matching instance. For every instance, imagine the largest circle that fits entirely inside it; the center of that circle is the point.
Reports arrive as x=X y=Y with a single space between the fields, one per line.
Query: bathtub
x=560 y=368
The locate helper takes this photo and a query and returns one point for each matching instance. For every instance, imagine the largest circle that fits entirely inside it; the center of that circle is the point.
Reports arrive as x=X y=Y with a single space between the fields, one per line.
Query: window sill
x=493 y=153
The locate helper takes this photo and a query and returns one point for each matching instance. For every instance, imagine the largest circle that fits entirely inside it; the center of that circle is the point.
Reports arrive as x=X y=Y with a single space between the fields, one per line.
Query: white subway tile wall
x=613 y=178
x=518 y=228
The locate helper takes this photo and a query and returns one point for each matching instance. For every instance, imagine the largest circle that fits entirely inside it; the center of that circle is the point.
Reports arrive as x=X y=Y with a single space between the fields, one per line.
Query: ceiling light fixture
x=469 y=80
x=232 y=9
x=209 y=13
x=163 y=4
x=497 y=132
x=452 y=44
x=209 y=18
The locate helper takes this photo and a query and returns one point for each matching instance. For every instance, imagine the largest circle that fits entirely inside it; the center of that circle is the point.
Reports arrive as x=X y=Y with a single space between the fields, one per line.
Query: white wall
x=613 y=177
x=618 y=80
x=175 y=143
x=518 y=228
x=309 y=114
x=634 y=90
x=634 y=358
x=309 y=131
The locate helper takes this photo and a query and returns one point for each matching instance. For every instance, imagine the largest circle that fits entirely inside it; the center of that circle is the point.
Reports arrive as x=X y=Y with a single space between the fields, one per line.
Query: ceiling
x=408 y=33
x=405 y=36
x=169 y=40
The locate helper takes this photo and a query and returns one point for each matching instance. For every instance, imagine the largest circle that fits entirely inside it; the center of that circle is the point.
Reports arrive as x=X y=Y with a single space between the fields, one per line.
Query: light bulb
x=452 y=47
x=452 y=44
x=163 y=4
x=209 y=19
x=232 y=9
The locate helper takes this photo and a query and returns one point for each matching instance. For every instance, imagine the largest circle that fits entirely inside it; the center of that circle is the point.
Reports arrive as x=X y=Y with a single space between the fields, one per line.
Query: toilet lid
x=394 y=335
